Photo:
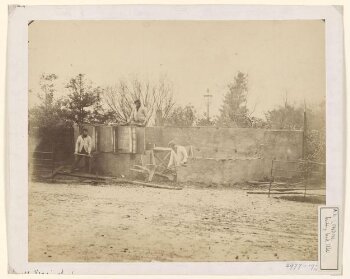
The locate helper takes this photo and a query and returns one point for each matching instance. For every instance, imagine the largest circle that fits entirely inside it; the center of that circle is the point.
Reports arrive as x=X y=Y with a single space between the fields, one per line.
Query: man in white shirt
x=83 y=149
x=178 y=155
x=138 y=115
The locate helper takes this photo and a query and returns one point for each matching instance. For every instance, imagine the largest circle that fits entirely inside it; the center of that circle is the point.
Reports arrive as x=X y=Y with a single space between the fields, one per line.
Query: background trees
x=287 y=117
x=291 y=117
x=204 y=121
x=182 y=116
x=81 y=105
x=47 y=114
x=234 y=111
x=316 y=135
x=85 y=102
x=157 y=98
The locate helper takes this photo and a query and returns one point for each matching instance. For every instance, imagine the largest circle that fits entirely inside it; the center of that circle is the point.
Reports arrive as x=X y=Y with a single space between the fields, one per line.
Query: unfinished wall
x=283 y=145
x=113 y=164
x=211 y=142
x=221 y=155
x=229 y=155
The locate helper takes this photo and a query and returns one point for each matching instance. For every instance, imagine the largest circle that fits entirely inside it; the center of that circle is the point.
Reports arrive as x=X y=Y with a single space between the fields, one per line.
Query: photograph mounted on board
x=176 y=141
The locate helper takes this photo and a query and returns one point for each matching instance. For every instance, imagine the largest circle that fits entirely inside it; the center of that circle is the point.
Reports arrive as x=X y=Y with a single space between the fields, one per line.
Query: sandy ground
x=133 y=223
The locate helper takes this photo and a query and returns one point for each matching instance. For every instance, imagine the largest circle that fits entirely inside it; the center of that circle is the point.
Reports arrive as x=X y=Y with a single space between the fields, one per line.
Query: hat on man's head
x=171 y=143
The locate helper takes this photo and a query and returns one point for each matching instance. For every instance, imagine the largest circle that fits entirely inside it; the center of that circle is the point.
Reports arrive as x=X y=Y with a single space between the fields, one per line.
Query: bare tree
x=156 y=98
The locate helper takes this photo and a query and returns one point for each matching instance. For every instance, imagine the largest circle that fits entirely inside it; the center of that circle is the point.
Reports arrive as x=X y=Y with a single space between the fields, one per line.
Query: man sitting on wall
x=138 y=115
x=83 y=149
x=178 y=155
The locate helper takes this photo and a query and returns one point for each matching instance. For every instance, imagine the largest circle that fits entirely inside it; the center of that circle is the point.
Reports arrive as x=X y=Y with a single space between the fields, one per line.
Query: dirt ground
x=76 y=222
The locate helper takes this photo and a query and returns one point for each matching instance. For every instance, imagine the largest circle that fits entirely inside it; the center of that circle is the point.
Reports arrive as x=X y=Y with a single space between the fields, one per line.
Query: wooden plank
x=54 y=173
x=153 y=185
x=276 y=193
x=140 y=140
x=160 y=149
x=83 y=155
x=259 y=182
x=124 y=140
x=141 y=167
x=266 y=183
x=151 y=174
x=288 y=189
x=83 y=175
x=140 y=171
x=105 y=138
x=41 y=152
x=286 y=170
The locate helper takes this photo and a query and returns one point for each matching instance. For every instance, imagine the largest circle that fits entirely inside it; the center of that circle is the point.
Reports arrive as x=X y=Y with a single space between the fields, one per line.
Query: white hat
x=171 y=143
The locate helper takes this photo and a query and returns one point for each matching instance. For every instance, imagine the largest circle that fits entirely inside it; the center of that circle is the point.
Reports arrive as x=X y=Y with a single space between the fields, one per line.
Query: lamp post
x=207 y=97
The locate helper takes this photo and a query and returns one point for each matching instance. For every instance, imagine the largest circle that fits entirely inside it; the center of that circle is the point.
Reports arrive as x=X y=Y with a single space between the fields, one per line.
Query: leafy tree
x=234 y=111
x=257 y=122
x=204 y=121
x=98 y=114
x=291 y=117
x=316 y=133
x=316 y=117
x=315 y=146
x=287 y=117
x=47 y=122
x=83 y=101
x=47 y=115
x=182 y=116
x=47 y=86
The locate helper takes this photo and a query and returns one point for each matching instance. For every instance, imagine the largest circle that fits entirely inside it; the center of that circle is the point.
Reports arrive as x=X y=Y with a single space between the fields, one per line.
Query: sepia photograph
x=175 y=140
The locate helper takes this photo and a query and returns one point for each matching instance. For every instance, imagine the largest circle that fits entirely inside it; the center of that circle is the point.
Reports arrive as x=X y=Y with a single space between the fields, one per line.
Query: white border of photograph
x=17 y=127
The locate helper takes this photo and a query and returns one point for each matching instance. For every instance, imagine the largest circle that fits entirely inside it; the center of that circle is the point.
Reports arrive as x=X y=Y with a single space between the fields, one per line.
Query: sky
x=283 y=59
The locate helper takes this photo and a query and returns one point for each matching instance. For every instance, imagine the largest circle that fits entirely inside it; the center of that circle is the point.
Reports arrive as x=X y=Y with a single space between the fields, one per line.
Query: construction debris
x=99 y=178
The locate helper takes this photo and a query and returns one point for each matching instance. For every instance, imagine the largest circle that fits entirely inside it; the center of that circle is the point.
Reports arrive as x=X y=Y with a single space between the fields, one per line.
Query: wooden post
x=271 y=177
x=304 y=133
x=306 y=178
x=52 y=159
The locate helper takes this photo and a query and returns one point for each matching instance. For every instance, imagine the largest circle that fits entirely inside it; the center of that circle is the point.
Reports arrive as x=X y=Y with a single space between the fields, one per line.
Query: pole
x=271 y=178
x=208 y=96
x=304 y=132
x=306 y=174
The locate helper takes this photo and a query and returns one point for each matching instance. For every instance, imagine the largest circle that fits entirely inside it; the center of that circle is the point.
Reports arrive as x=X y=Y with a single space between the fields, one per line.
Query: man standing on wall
x=83 y=149
x=138 y=115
